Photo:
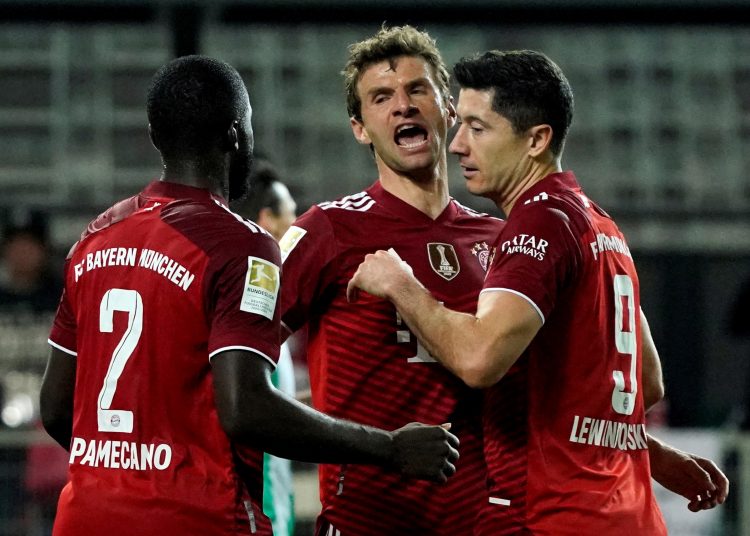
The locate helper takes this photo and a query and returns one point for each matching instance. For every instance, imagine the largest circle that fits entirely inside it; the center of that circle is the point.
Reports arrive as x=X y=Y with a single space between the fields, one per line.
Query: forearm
x=285 y=427
x=449 y=336
x=656 y=450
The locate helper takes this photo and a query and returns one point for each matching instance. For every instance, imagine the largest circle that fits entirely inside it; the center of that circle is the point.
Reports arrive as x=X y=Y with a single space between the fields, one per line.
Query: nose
x=458 y=144
x=403 y=104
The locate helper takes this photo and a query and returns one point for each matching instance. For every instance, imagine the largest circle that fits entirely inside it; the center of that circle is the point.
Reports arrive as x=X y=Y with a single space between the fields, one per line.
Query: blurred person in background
x=558 y=338
x=364 y=362
x=271 y=206
x=27 y=283
x=29 y=293
x=159 y=377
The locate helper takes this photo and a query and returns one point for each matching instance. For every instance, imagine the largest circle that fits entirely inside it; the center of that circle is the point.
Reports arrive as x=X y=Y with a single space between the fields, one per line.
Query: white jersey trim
x=471 y=212
x=61 y=348
x=251 y=225
x=287 y=328
x=498 y=500
x=524 y=296
x=246 y=348
x=360 y=202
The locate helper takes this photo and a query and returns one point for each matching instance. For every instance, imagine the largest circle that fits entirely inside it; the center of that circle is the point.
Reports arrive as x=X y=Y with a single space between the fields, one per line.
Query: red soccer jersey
x=565 y=440
x=156 y=286
x=365 y=364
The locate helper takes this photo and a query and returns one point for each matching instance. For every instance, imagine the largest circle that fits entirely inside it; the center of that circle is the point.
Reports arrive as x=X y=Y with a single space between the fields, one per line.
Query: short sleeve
x=63 y=335
x=242 y=292
x=536 y=255
x=309 y=252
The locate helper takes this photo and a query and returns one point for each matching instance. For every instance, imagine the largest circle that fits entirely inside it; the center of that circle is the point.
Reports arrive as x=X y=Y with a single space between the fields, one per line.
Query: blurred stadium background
x=661 y=139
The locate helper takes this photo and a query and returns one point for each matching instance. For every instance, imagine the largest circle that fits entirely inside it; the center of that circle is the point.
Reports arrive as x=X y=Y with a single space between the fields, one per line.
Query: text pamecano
x=143 y=258
x=120 y=454
x=610 y=434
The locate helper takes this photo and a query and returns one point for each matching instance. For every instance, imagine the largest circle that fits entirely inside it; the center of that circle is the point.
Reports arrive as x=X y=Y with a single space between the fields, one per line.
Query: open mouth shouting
x=411 y=136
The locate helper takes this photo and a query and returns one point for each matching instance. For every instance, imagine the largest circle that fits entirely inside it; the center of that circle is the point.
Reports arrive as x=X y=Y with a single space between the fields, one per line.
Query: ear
x=152 y=137
x=452 y=115
x=360 y=132
x=540 y=137
x=265 y=219
x=232 y=137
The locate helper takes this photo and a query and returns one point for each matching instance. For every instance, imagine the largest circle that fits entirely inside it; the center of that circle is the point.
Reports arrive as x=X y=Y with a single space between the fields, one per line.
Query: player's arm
x=652 y=380
x=253 y=412
x=697 y=479
x=479 y=348
x=56 y=398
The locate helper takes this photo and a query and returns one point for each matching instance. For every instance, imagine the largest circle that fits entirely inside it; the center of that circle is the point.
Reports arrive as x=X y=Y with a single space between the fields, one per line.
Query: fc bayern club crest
x=482 y=252
x=443 y=260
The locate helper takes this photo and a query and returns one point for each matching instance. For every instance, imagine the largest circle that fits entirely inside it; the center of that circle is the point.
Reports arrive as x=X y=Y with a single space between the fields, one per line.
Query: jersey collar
x=552 y=183
x=173 y=190
x=406 y=211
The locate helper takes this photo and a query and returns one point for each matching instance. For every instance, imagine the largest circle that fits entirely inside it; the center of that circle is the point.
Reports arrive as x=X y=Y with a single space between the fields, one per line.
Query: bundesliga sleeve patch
x=261 y=287
x=290 y=239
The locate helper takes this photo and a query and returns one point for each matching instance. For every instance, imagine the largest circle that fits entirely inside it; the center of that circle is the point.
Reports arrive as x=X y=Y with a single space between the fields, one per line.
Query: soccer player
x=558 y=333
x=364 y=362
x=166 y=335
x=271 y=206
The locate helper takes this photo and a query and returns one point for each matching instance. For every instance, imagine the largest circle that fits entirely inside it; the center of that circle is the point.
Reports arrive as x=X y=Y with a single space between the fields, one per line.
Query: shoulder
x=350 y=204
x=114 y=214
x=567 y=208
x=216 y=229
x=475 y=217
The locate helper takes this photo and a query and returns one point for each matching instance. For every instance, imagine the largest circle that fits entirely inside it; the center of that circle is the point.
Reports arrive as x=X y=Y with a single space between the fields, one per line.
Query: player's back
x=148 y=454
x=574 y=458
x=365 y=364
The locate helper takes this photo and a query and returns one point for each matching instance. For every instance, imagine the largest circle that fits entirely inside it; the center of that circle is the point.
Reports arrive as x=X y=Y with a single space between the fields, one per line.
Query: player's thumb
x=446 y=426
x=352 y=292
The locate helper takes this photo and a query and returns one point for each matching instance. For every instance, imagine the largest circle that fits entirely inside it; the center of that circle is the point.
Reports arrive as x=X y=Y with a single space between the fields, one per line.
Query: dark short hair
x=262 y=194
x=192 y=101
x=529 y=89
x=387 y=45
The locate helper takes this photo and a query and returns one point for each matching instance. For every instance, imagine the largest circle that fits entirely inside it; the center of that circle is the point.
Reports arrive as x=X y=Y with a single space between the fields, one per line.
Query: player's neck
x=426 y=192
x=196 y=174
x=537 y=171
x=428 y=196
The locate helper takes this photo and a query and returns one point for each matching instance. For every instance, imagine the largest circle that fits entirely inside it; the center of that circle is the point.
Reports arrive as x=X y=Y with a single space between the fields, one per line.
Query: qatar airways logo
x=526 y=245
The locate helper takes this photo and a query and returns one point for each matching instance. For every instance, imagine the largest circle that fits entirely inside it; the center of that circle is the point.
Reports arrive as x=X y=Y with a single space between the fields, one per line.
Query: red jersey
x=365 y=364
x=565 y=440
x=156 y=286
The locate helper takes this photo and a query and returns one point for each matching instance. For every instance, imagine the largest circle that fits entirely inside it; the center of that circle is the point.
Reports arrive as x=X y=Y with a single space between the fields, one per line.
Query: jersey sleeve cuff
x=245 y=349
x=524 y=296
x=61 y=348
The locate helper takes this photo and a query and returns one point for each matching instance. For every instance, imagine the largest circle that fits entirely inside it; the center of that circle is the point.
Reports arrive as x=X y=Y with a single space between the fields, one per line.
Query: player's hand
x=425 y=452
x=377 y=272
x=697 y=479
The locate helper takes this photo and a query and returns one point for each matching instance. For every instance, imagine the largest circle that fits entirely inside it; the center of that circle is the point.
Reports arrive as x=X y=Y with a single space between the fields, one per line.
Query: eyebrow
x=409 y=85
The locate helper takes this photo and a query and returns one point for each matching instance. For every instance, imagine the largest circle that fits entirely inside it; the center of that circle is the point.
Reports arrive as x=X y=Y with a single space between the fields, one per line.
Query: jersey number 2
x=127 y=301
x=623 y=402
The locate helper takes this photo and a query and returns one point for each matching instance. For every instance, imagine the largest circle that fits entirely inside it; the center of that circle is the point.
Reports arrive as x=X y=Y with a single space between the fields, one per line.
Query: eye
x=419 y=89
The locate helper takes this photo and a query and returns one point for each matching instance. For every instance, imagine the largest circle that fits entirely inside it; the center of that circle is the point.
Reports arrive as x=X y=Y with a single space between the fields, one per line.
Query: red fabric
x=564 y=254
x=360 y=371
x=189 y=303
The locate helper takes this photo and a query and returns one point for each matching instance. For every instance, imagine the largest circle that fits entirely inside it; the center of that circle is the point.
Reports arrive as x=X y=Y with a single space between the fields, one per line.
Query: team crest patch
x=290 y=239
x=482 y=252
x=443 y=260
x=261 y=287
